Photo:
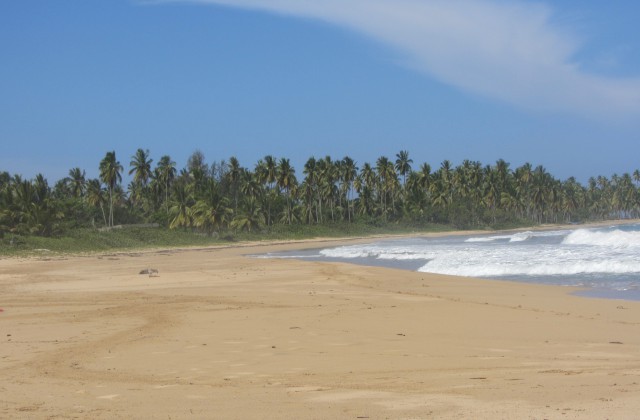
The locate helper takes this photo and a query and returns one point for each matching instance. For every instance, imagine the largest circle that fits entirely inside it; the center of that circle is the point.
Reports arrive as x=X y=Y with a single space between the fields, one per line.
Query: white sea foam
x=513 y=255
x=378 y=252
x=486 y=239
x=606 y=258
x=528 y=269
x=616 y=238
x=523 y=236
x=517 y=237
x=349 y=252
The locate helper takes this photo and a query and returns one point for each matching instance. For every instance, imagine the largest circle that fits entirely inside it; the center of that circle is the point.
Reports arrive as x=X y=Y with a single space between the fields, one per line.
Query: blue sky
x=555 y=83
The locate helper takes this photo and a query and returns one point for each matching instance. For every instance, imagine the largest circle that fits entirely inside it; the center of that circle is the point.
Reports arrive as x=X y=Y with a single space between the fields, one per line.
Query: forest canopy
x=226 y=196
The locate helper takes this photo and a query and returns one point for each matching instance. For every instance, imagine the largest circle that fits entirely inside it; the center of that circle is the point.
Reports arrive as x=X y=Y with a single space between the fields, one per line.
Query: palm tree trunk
x=333 y=219
x=166 y=196
x=288 y=207
x=110 y=207
x=349 y=205
x=104 y=216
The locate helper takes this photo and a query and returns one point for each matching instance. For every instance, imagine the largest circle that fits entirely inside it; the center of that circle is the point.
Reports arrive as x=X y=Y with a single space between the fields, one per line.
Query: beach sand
x=216 y=334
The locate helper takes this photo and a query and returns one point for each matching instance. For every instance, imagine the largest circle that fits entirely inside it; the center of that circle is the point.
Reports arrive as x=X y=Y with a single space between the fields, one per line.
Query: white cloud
x=507 y=50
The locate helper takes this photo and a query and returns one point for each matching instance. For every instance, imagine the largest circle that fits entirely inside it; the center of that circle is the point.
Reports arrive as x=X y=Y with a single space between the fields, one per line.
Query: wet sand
x=216 y=334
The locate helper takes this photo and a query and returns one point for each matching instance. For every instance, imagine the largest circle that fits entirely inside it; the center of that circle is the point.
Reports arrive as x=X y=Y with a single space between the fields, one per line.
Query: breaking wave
x=535 y=268
x=517 y=237
x=615 y=238
x=607 y=258
x=377 y=252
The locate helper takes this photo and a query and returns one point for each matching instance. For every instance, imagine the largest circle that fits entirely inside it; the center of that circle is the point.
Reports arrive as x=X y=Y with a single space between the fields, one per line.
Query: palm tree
x=365 y=185
x=166 y=173
x=234 y=174
x=523 y=178
x=77 y=182
x=424 y=176
x=541 y=183
x=287 y=181
x=403 y=165
x=181 y=205
x=492 y=193
x=311 y=191
x=326 y=183
x=267 y=173
x=34 y=209
x=572 y=198
x=250 y=217
x=141 y=167
x=23 y=196
x=502 y=172
x=136 y=194
x=445 y=175
x=95 y=197
x=6 y=215
x=387 y=180
x=474 y=180
x=110 y=174
x=211 y=214
x=624 y=195
x=440 y=192
x=250 y=185
x=307 y=194
x=349 y=172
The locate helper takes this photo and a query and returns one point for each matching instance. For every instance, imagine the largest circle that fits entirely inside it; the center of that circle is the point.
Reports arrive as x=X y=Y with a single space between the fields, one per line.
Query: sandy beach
x=217 y=334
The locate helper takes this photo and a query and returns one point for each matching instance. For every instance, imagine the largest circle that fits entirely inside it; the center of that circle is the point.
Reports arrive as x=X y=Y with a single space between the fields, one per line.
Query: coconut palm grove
x=225 y=197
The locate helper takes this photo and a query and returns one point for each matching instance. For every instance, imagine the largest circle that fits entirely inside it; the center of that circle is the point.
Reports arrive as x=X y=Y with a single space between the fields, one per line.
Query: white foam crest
x=405 y=256
x=517 y=237
x=520 y=237
x=349 y=252
x=616 y=238
x=288 y=257
x=606 y=258
x=538 y=269
x=379 y=252
x=485 y=239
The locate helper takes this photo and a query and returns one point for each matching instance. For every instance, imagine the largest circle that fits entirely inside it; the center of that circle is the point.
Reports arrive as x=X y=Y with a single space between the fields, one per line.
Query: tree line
x=226 y=196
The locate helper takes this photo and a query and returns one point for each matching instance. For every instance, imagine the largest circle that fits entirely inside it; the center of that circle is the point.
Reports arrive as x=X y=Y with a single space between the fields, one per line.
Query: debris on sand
x=152 y=272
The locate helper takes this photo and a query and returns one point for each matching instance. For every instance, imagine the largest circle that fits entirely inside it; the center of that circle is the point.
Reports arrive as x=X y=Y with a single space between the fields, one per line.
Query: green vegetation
x=85 y=240
x=206 y=204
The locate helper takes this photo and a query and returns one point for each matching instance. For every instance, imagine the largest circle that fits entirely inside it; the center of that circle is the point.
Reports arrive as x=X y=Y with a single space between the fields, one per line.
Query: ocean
x=604 y=260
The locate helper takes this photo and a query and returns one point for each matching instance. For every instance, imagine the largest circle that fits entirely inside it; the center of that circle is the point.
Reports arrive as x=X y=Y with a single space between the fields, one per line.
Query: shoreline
x=304 y=242
x=215 y=331
x=576 y=290
x=314 y=243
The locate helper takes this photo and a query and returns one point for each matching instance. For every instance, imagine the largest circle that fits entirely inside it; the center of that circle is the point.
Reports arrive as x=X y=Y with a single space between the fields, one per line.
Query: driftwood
x=152 y=272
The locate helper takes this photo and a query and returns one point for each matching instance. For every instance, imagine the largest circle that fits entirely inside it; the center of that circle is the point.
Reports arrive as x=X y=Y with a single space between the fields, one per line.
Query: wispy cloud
x=512 y=51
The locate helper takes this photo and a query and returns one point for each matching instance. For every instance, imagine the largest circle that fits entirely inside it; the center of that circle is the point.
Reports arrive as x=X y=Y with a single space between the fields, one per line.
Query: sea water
x=604 y=260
